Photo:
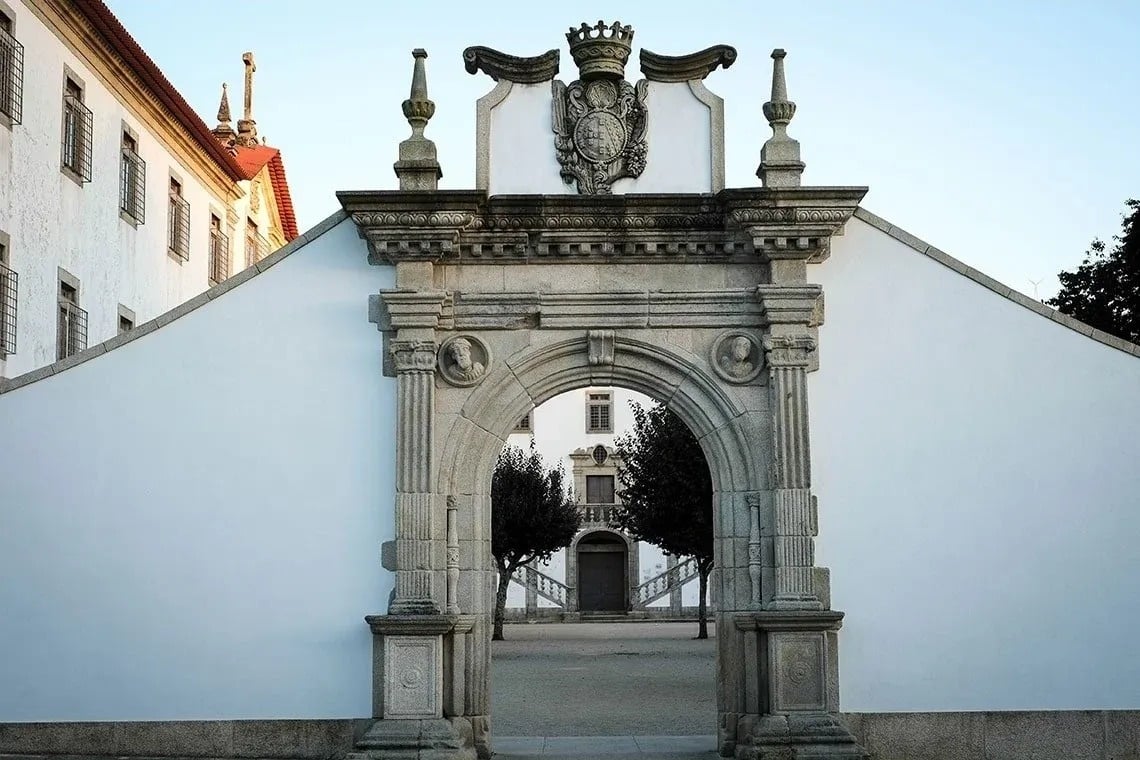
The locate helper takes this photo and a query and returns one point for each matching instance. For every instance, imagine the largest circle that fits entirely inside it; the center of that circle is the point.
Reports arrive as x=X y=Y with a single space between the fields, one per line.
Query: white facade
x=52 y=222
x=558 y=427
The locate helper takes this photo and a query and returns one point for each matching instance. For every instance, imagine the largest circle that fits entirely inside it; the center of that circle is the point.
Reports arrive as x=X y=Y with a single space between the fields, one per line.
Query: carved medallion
x=464 y=360
x=599 y=121
x=737 y=358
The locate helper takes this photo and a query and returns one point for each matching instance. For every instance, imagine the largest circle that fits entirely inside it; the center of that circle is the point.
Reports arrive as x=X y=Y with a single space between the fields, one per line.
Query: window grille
x=599 y=489
x=256 y=247
x=76 y=155
x=179 y=226
x=71 y=336
x=599 y=413
x=11 y=77
x=219 y=256
x=523 y=425
x=8 y=291
x=132 y=185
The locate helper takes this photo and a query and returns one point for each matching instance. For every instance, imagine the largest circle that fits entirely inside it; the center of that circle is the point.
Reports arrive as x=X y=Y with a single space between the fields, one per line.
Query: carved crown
x=600 y=51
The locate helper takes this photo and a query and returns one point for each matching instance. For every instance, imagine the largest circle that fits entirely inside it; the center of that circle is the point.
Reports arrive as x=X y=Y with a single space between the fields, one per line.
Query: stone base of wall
x=1035 y=735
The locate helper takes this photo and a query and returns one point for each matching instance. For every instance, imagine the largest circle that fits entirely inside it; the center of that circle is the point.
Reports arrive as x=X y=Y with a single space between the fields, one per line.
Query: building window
x=599 y=412
x=523 y=425
x=178 y=242
x=256 y=246
x=219 y=251
x=76 y=147
x=8 y=291
x=126 y=319
x=132 y=181
x=71 y=332
x=11 y=73
x=599 y=489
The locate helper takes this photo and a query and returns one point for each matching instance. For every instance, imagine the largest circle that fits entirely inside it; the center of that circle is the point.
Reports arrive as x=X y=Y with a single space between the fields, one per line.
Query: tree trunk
x=703 y=569
x=501 y=603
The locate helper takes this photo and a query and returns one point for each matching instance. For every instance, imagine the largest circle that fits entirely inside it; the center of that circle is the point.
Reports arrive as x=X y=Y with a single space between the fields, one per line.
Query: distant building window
x=11 y=73
x=76 y=143
x=523 y=425
x=178 y=238
x=71 y=333
x=256 y=246
x=599 y=412
x=599 y=489
x=219 y=251
x=600 y=454
x=8 y=293
x=126 y=319
x=132 y=181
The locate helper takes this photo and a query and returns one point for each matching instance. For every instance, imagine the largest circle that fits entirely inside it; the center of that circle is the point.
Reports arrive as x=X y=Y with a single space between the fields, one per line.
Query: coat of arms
x=600 y=120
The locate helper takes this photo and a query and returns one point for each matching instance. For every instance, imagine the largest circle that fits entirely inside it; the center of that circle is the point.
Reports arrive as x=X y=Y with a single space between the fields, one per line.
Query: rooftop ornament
x=780 y=164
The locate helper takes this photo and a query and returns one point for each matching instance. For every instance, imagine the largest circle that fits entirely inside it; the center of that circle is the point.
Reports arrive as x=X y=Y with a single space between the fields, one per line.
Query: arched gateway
x=700 y=299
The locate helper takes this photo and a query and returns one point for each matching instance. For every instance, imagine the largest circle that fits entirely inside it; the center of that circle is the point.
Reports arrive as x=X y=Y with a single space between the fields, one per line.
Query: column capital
x=789 y=351
x=414 y=355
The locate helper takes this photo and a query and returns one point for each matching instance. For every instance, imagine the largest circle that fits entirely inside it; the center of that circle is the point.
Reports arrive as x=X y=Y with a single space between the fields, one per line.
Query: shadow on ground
x=603 y=679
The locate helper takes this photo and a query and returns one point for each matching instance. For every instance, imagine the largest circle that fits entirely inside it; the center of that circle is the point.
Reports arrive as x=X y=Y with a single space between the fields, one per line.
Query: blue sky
x=1005 y=133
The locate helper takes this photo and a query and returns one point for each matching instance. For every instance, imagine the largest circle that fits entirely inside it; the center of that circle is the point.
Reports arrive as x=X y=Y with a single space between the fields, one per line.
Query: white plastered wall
x=680 y=138
x=192 y=521
x=975 y=464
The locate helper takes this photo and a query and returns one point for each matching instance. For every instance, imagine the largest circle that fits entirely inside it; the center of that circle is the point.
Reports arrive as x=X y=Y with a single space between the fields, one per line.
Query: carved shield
x=599 y=132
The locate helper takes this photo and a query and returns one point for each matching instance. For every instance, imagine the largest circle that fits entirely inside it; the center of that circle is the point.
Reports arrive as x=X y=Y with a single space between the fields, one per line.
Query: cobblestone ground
x=603 y=679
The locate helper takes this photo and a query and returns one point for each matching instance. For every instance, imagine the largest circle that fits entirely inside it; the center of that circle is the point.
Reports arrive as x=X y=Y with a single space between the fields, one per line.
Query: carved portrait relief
x=464 y=360
x=737 y=358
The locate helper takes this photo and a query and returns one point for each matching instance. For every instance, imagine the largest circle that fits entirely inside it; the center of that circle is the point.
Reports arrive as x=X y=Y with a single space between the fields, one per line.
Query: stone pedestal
x=795 y=655
x=408 y=695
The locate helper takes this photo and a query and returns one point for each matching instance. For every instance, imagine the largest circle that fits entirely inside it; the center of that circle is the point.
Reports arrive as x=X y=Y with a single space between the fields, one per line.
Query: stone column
x=675 y=605
x=531 y=593
x=415 y=408
x=788 y=359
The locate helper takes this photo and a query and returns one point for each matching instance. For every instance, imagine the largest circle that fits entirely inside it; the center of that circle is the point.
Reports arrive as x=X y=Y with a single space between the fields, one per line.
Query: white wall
x=976 y=470
x=53 y=222
x=192 y=522
x=679 y=137
x=559 y=427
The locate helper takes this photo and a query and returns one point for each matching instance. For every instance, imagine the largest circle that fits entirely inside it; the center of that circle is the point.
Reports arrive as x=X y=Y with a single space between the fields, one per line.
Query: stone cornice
x=511 y=68
x=686 y=68
x=469 y=226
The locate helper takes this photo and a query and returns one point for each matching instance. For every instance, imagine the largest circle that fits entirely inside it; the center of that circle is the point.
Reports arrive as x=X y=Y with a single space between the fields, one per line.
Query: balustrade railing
x=662 y=583
x=597 y=514
x=548 y=588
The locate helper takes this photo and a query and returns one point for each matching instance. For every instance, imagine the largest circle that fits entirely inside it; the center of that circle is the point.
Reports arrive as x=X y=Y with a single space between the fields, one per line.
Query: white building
x=572 y=423
x=117 y=203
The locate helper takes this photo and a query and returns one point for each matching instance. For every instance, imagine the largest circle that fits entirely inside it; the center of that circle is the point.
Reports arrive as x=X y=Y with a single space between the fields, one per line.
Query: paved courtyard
x=648 y=688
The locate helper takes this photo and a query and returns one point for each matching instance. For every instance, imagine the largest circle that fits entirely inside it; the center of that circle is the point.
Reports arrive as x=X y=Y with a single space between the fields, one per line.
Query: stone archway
x=700 y=301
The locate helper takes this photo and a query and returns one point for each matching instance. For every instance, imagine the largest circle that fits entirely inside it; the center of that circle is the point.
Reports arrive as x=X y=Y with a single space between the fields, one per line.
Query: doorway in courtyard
x=606 y=623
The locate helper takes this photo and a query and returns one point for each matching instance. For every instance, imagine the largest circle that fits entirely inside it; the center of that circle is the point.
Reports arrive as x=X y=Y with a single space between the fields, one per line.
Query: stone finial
x=224 y=131
x=780 y=164
x=418 y=167
x=246 y=126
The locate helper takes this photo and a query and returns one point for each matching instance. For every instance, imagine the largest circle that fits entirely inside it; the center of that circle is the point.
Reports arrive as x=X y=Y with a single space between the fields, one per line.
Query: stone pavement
x=618 y=680
x=608 y=747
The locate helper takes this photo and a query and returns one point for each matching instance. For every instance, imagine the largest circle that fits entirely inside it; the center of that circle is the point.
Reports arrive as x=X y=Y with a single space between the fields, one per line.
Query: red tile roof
x=252 y=160
x=99 y=15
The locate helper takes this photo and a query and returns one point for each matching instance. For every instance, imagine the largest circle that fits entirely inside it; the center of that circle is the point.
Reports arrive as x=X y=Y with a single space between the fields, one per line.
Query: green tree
x=1104 y=292
x=666 y=491
x=532 y=516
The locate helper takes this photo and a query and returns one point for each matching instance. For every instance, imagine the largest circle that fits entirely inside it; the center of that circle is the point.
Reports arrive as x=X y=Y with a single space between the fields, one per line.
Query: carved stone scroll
x=511 y=68
x=600 y=344
x=686 y=68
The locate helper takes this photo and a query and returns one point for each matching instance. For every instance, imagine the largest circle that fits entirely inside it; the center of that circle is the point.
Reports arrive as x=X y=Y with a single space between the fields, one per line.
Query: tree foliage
x=1104 y=291
x=532 y=516
x=666 y=490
